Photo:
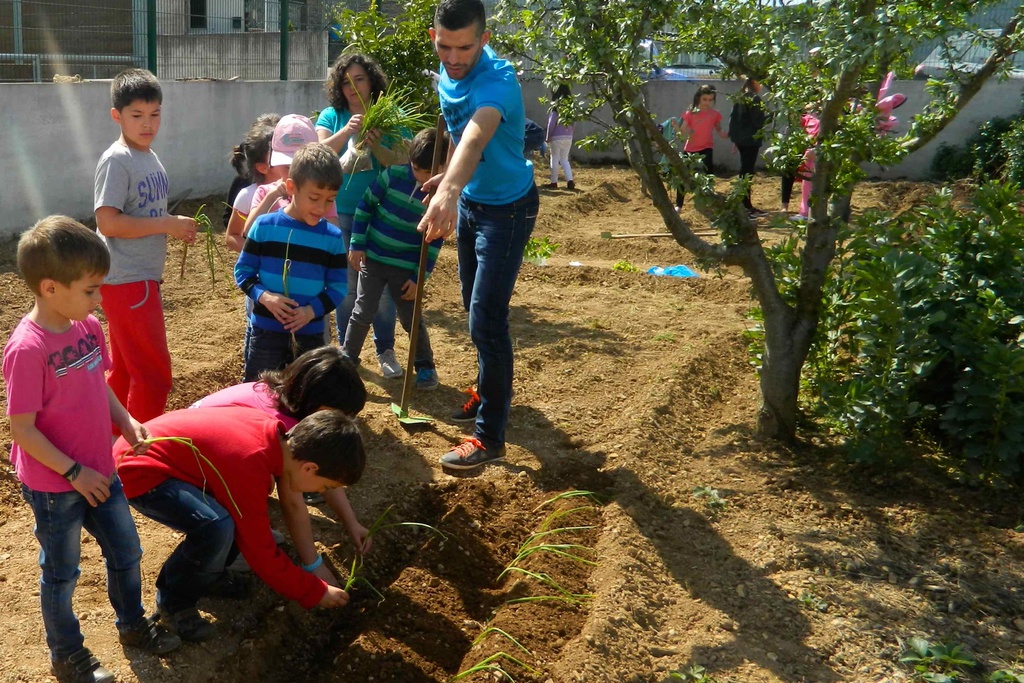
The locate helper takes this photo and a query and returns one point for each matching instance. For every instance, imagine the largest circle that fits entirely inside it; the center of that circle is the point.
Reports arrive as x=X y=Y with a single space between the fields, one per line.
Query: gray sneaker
x=389 y=365
x=470 y=454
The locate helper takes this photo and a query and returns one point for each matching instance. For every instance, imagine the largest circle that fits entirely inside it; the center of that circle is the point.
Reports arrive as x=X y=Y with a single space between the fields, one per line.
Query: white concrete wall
x=669 y=98
x=55 y=134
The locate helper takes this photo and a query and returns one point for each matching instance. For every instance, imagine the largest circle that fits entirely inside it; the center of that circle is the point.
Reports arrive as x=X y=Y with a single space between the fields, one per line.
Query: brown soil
x=636 y=388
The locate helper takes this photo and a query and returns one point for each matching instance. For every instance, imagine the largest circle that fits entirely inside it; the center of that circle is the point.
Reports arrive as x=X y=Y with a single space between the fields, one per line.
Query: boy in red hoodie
x=213 y=486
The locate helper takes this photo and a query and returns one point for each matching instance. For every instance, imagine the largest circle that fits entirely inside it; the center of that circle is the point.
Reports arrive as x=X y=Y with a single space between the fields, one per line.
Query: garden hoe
x=402 y=411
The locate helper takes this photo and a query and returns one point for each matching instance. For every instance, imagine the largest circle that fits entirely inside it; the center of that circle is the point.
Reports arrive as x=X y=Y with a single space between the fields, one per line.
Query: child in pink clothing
x=317 y=380
x=291 y=133
x=61 y=412
x=698 y=126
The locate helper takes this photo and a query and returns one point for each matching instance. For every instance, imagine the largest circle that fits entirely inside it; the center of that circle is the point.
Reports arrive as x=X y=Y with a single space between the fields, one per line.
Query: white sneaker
x=389 y=365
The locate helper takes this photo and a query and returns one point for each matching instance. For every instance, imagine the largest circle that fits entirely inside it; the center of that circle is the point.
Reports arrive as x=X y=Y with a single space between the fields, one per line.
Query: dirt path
x=785 y=565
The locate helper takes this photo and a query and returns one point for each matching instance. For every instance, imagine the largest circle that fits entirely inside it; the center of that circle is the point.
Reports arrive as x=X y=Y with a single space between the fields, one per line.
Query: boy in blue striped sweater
x=385 y=249
x=293 y=265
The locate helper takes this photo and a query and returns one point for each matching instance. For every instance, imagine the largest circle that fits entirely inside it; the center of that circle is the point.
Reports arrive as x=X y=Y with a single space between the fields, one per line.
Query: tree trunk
x=780 y=380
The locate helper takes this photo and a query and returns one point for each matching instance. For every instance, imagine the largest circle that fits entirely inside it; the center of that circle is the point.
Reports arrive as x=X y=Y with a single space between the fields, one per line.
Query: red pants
x=140 y=372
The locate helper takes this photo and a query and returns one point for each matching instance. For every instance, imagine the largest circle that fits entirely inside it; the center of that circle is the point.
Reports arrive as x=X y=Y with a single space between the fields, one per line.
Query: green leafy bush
x=398 y=43
x=994 y=151
x=921 y=329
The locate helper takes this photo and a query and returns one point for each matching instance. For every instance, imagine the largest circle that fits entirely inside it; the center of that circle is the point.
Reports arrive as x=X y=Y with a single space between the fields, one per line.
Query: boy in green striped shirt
x=385 y=249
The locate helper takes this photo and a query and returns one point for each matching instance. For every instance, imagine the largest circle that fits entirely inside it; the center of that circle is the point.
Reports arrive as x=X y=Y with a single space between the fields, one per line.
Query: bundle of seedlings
x=394 y=115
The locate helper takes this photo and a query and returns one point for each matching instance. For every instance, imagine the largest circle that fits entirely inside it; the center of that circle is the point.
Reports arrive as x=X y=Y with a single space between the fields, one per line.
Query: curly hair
x=336 y=79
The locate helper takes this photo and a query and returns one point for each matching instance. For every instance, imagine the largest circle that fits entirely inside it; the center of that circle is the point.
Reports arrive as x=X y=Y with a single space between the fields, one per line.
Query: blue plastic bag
x=673 y=271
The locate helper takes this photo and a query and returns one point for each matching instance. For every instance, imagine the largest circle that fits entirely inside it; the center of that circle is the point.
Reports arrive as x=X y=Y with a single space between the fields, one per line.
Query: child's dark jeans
x=269 y=350
x=199 y=560
x=60 y=518
x=374 y=278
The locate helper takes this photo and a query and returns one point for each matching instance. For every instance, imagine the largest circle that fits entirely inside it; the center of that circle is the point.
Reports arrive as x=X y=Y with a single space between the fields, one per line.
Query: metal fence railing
x=176 y=39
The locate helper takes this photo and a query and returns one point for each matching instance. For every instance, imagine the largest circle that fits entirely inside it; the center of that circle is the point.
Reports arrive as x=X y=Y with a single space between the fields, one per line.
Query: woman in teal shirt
x=338 y=127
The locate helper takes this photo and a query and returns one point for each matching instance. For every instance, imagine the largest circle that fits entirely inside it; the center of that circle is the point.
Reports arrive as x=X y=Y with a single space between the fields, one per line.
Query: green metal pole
x=151 y=35
x=284 y=40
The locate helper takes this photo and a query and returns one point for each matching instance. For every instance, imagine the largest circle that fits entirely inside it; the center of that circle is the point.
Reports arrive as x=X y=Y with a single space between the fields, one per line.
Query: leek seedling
x=494 y=629
x=355 y=575
x=203 y=225
x=487 y=664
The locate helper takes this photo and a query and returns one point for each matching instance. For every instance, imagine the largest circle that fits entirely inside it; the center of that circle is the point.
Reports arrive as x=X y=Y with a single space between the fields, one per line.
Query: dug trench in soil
x=439 y=592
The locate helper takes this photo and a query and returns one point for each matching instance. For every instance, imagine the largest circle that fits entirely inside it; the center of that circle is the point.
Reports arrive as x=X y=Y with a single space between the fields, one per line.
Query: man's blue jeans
x=208 y=547
x=386 y=315
x=491 y=240
x=59 y=521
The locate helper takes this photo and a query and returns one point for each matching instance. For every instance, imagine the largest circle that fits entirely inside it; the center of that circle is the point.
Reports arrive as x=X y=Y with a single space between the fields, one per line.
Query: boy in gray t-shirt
x=130 y=201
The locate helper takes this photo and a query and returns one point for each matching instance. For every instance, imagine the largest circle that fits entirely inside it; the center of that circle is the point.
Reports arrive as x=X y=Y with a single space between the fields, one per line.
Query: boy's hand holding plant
x=299 y=318
x=280 y=306
x=361 y=537
x=334 y=597
x=183 y=228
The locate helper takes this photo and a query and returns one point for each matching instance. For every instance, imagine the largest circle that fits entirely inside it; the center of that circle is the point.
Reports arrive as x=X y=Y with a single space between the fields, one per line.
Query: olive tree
x=827 y=57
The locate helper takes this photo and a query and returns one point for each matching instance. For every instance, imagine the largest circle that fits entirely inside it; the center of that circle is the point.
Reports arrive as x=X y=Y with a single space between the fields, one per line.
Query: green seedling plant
x=558 y=514
x=813 y=602
x=494 y=629
x=694 y=674
x=529 y=548
x=714 y=503
x=538 y=250
x=488 y=665
x=624 y=266
x=936 y=663
x=356 y=575
x=204 y=227
x=1004 y=676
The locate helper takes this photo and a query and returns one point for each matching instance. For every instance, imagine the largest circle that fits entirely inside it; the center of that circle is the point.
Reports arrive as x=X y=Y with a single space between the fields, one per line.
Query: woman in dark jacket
x=745 y=123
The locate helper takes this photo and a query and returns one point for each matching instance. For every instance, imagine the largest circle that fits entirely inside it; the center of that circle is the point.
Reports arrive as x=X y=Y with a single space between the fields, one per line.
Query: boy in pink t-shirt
x=698 y=127
x=61 y=411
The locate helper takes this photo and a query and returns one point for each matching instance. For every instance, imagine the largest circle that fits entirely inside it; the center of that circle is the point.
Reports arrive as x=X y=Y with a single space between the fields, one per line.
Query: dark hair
x=255 y=148
x=134 y=84
x=454 y=15
x=421 y=149
x=317 y=379
x=336 y=79
x=331 y=440
x=749 y=86
x=703 y=89
x=317 y=163
x=561 y=92
x=61 y=249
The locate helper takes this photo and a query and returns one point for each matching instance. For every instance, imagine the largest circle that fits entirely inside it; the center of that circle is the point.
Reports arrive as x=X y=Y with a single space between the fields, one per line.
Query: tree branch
x=1005 y=47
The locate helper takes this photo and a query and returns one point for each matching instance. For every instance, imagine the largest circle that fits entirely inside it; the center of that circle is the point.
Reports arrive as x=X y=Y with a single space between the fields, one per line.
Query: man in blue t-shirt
x=488 y=192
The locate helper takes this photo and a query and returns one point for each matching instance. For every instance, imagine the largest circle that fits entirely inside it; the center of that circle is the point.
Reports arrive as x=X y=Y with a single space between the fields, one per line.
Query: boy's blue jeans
x=270 y=350
x=386 y=315
x=491 y=240
x=59 y=521
x=208 y=546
